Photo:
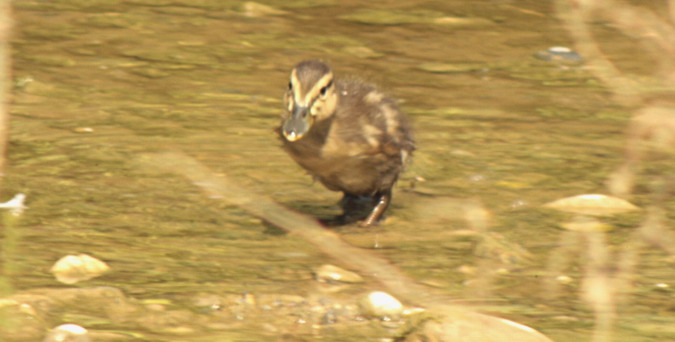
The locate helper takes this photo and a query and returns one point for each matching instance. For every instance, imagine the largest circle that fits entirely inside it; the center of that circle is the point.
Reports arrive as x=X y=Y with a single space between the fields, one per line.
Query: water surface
x=206 y=78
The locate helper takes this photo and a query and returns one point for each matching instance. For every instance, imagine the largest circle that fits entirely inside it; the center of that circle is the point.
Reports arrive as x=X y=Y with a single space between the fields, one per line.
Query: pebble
x=563 y=279
x=462 y=22
x=83 y=130
x=445 y=68
x=68 y=333
x=559 y=54
x=592 y=204
x=333 y=274
x=255 y=10
x=381 y=305
x=72 y=269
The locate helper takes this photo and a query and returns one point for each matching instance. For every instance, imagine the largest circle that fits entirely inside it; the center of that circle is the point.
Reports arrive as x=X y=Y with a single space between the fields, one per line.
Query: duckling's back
x=367 y=142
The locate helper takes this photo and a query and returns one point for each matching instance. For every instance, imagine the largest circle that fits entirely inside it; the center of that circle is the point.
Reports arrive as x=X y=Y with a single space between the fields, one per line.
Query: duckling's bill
x=297 y=124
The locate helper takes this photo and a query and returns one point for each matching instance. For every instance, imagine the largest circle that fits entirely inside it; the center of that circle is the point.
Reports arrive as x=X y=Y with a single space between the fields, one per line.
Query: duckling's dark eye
x=290 y=85
x=325 y=89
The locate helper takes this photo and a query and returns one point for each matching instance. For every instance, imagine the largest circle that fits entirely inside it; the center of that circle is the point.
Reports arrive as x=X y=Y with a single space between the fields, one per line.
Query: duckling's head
x=310 y=97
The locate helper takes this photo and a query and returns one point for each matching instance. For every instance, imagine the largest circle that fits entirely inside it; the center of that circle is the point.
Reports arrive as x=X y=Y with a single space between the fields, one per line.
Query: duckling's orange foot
x=382 y=202
x=372 y=220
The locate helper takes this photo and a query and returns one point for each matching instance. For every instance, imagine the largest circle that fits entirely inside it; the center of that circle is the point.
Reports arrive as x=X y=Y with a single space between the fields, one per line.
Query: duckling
x=348 y=135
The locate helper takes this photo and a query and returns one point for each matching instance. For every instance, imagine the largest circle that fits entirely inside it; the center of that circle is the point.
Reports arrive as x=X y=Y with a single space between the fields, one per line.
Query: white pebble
x=333 y=274
x=68 y=333
x=75 y=268
x=381 y=305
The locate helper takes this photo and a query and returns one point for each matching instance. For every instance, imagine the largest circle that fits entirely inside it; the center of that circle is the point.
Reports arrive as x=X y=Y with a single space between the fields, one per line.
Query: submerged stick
x=457 y=322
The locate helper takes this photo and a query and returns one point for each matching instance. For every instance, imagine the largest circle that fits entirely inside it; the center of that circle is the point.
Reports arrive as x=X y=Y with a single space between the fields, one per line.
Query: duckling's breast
x=354 y=173
x=362 y=147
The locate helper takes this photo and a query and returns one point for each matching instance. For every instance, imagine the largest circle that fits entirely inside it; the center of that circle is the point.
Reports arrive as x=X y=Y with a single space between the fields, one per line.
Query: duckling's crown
x=311 y=71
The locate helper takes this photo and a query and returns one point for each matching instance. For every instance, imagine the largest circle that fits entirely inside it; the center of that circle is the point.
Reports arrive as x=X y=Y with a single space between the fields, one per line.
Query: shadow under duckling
x=348 y=135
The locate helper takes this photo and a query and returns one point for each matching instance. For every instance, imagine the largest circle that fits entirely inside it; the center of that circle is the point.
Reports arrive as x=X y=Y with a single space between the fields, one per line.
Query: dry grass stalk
x=657 y=36
x=5 y=72
x=651 y=131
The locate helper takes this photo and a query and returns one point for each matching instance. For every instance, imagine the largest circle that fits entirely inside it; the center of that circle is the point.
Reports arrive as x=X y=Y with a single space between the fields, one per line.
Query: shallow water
x=205 y=77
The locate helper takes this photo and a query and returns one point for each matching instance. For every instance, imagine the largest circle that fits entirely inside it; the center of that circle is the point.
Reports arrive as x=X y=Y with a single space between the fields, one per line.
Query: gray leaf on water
x=333 y=274
x=68 y=333
x=75 y=268
x=592 y=204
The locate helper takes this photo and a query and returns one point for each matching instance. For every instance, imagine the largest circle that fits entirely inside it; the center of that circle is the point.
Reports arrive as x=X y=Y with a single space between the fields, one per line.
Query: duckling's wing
x=372 y=120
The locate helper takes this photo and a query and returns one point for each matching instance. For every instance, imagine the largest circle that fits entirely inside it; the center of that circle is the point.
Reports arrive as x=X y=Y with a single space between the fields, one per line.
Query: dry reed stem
x=5 y=72
x=8 y=240
x=599 y=287
x=295 y=223
x=652 y=130
x=656 y=34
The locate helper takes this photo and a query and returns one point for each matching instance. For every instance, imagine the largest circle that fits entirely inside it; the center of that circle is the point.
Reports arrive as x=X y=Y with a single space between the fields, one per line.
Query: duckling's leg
x=354 y=208
x=382 y=200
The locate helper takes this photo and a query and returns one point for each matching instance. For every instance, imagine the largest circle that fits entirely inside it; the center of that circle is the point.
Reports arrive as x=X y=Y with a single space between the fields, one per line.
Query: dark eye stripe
x=325 y=89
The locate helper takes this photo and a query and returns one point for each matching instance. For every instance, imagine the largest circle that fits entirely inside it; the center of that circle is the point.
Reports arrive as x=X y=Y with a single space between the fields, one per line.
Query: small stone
x=254 y=9
x=83 y=130
x=68 y=333
x=462 y=22
x=413 y=311
x=592 y=204
x=466 y=269
x=559 y=54
x=469 y=326
x=361 y=52
x=563 y=279
x=333 y=274
x=381 y=305
x=503 y=271
x=20 y=322
x=446 y=68
x=75 y=268
x=249 y=299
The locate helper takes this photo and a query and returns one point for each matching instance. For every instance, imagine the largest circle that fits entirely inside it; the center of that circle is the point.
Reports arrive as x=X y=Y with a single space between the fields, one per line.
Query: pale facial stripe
x=296 y=93
x=313 y=93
